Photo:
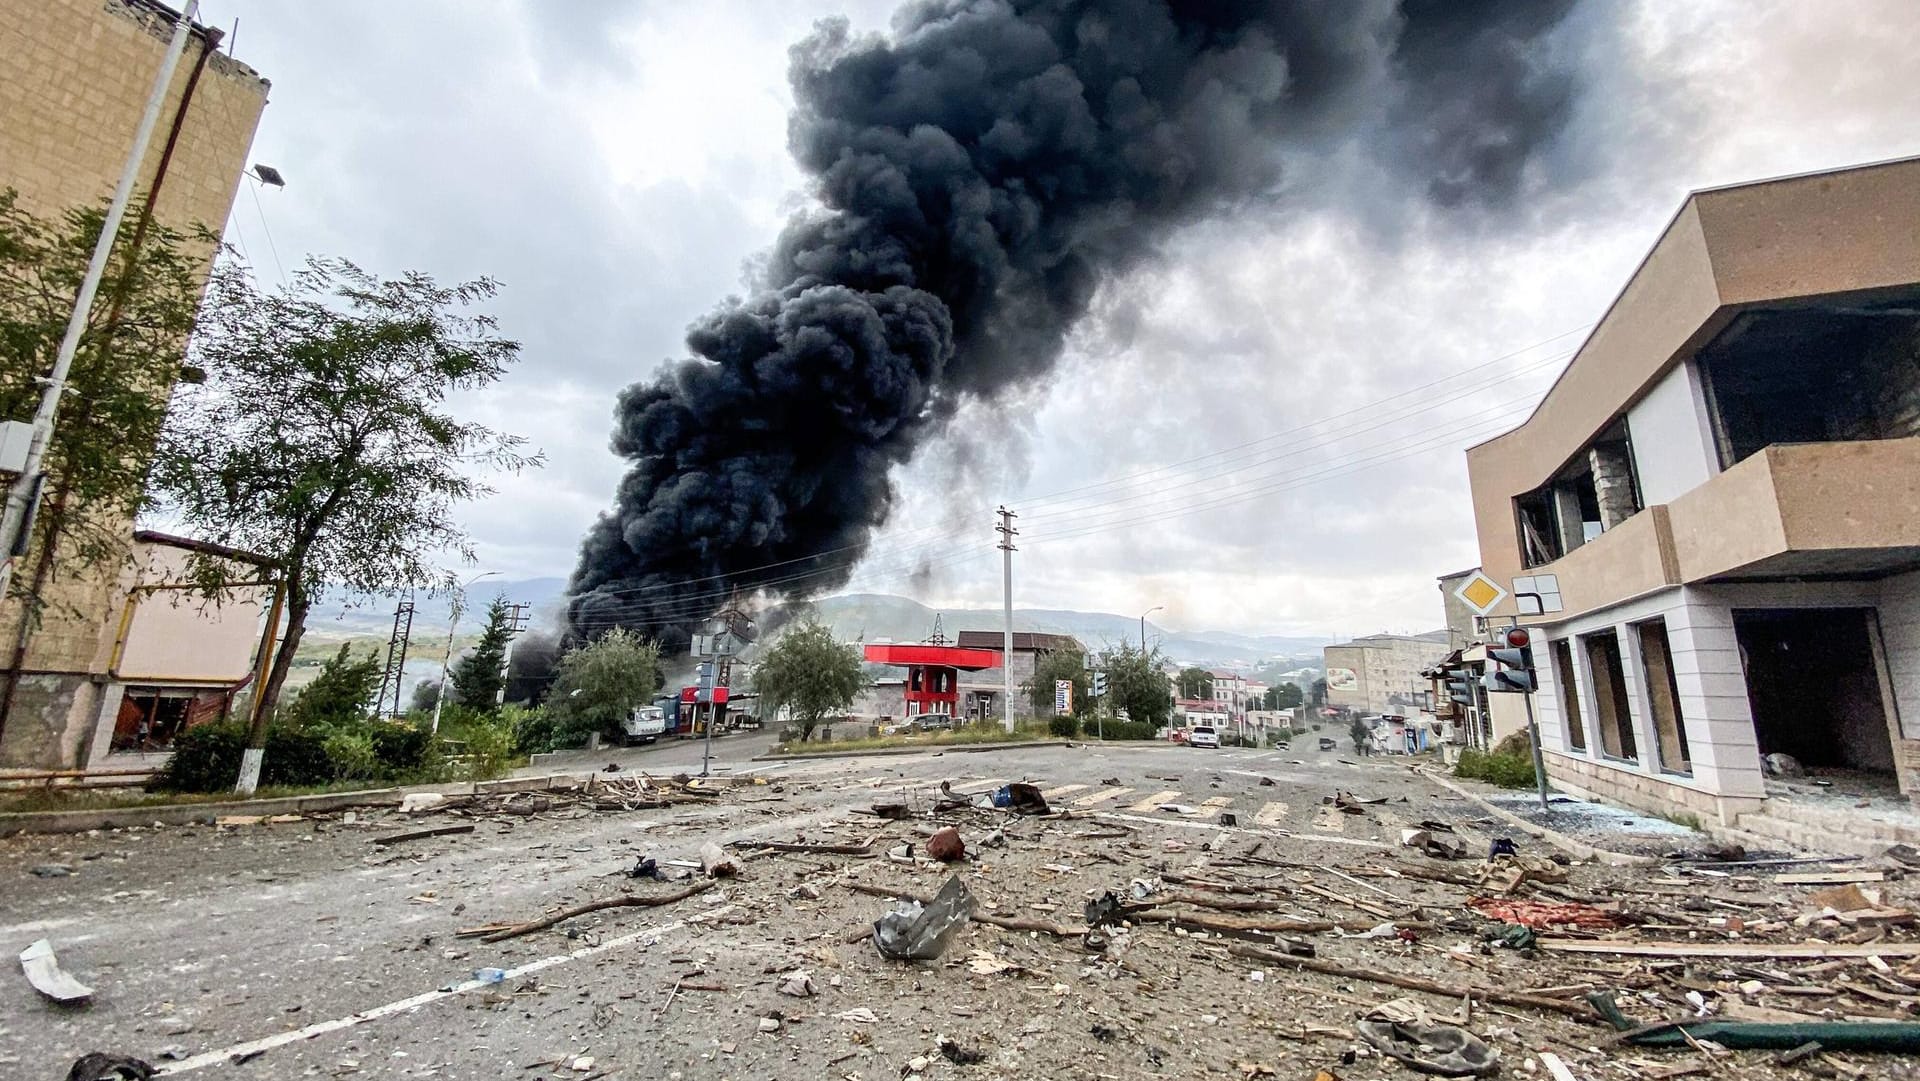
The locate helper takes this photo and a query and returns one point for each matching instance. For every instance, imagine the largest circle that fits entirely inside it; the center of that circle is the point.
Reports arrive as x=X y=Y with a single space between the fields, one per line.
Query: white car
x=1203 y=735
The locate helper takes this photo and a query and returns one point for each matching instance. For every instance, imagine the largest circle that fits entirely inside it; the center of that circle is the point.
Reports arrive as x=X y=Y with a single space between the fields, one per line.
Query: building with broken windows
x=75 y=76
x=1712 y=520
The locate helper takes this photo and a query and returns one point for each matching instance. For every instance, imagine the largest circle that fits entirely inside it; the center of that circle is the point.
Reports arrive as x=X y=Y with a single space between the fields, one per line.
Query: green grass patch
x=1505 y=770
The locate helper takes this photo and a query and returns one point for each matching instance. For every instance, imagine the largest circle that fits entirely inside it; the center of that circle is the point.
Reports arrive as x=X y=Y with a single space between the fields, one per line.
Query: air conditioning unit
x=14 y=437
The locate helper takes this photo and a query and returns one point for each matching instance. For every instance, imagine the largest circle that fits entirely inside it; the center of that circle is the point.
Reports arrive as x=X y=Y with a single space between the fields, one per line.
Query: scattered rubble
x=47 y=977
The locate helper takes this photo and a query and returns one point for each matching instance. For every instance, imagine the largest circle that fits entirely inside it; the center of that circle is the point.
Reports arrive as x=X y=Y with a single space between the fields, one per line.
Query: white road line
x=864 y=782
x=1153 y=802
x=267 y=1043
x=1056 y=793
x=1272 y=814
x=971 y=787
x=1214 y=806
x=1190 y=824
x=1102 y=796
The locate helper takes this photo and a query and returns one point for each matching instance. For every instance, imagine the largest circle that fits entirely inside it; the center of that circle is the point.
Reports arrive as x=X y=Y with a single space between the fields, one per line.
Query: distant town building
x=1383 y=673
x=980 y=690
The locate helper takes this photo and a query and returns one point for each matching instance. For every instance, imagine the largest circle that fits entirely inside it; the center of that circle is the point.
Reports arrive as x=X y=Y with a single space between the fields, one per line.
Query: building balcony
x=1791 y=510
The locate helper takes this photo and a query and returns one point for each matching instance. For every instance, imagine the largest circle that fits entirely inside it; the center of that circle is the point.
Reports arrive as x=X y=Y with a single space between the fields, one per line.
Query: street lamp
x=446 y=660
x=1143 y=626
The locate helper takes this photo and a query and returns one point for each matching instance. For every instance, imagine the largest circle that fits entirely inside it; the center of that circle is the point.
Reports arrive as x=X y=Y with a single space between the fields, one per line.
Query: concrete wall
x=1672 y=437
x=74 y=79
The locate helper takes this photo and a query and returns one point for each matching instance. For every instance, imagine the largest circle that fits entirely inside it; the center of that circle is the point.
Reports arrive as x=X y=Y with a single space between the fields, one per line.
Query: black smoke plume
x=981 y=170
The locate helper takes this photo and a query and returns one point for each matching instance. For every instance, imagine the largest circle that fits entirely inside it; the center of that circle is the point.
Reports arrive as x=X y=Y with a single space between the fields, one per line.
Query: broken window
x=1663 y=695
x=1612 y=714
x=1814 y=375
x=1569 y=694
x=150 y=718
x=1594 y=492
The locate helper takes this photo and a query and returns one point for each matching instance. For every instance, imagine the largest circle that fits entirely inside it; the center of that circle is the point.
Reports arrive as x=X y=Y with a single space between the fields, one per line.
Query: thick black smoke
x=981 y=171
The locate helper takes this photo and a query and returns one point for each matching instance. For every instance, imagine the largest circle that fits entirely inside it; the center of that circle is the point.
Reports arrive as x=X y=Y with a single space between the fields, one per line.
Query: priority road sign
x=1480 y=593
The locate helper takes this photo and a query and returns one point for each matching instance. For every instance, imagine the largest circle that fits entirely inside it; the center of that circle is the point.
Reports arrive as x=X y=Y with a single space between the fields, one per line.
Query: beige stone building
x=1712 y=520
x=1383 y=673
x=74 y=78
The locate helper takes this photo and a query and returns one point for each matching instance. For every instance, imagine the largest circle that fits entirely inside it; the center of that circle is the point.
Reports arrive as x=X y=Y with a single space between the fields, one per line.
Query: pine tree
x=477 y=677
x=342 y=693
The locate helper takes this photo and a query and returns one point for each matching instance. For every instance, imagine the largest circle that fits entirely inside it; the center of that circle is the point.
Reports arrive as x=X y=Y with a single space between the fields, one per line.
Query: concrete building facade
x=74 y=78
x=1383 y=673
x=1716 y=508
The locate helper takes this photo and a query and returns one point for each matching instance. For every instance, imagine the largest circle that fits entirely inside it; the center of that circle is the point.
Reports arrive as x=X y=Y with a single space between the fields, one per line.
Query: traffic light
x=1459 y=687
x=1510 y=662
x=1099 y=684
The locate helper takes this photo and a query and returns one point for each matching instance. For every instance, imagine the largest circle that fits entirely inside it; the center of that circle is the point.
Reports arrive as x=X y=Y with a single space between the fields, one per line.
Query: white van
x=645 y=724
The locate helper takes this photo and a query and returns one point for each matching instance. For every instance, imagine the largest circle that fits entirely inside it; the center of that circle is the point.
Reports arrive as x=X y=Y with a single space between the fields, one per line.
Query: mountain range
x=865 y=616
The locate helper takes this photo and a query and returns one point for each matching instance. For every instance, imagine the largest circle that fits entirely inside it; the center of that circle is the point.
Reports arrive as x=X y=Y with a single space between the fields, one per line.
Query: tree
x=477 y=677
x=1317 y=694
x=321 y=436
x=1052 y=667
x=128 y=360
x=1138 y=686
x=1282 y=696
x=598 y=685
x=807 y=672
x=341 y=694
x=1196 y=683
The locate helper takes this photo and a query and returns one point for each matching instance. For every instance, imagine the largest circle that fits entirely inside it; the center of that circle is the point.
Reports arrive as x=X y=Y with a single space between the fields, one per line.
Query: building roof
x=971 y=660
x=151 y=536
x=1023 y=641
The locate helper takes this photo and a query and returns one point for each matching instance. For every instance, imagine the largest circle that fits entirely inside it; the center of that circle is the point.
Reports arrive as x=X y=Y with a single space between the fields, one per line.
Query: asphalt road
x=202 y=942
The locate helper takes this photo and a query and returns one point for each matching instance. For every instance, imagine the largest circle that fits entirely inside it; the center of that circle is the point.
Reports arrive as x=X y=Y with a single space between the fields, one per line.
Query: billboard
x=1062 y=696
x=1342 y=679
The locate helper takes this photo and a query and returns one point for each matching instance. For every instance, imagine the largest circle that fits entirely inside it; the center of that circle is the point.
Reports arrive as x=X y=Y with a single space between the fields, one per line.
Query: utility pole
x=16 y=522
x=1007 y=533
x=396 y=660
x=516 y=625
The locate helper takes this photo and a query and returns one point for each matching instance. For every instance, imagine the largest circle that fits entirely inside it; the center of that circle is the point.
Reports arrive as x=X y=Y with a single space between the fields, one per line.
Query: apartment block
x=1383 y=673
x=1712 y=520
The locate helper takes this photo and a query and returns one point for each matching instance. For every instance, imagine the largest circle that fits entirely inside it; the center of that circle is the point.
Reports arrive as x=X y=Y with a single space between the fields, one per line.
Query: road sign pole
x=1539 y=764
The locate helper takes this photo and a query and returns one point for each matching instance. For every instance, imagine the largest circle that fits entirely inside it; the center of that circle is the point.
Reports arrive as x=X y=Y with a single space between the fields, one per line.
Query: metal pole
x=1007 y=532
x=16 y=519
x=1539 y=764
x=706 y=755
x=446 y=659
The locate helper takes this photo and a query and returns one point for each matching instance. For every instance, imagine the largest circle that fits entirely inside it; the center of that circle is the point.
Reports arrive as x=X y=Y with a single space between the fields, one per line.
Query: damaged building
x=1712 y=520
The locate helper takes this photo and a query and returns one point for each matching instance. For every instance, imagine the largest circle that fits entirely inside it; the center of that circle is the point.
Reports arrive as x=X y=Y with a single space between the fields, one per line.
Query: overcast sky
x=619 y=166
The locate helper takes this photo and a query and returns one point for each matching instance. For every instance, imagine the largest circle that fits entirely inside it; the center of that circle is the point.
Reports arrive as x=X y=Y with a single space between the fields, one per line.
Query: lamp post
x=446 y=659
x=1143 y=626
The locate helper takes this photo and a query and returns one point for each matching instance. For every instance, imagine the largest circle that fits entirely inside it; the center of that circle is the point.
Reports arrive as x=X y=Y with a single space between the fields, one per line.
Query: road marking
x=1102 y=796
x=1214 y=806
x=971 y=787
x=864 y=782
x=1153 y=802
x=1330 y=820
x=1272 y=814
x=267 y=1043
x=1056 y=793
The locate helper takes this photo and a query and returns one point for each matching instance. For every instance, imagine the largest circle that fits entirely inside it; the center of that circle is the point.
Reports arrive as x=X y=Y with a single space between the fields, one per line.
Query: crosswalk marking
x=1056 y=793
x=976 y=786
x=1214 y=806
x=1330 y=820
x=1153 y=802
x=864 y=782
x=1274 y=813
x=1094 y=799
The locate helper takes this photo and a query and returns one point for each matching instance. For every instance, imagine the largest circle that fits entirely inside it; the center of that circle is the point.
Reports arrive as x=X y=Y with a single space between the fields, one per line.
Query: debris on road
x=500 y=933
x=1022 y=799
x=1542 y=915
x=715 y=863
x=98 y=1066
x=414 y=803
x=415 y=835
x=946 y=846
x=1430 y=1046
x=47 y=977
x=798 y=984
x=920 y=932
x=50 y=870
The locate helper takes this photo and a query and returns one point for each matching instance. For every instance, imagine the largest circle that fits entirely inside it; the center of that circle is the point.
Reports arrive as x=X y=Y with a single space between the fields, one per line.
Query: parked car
x=1203 y=735
x=1328 y=743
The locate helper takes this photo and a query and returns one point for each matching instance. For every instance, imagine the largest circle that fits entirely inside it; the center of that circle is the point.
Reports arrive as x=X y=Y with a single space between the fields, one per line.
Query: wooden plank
x=415 y=835
x=1829 y=878
x=1781 y=951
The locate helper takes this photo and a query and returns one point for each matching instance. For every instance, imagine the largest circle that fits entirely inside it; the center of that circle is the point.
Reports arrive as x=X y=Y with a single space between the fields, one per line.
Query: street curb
x=1576 y=849
x=182 y=814
x=881 y=752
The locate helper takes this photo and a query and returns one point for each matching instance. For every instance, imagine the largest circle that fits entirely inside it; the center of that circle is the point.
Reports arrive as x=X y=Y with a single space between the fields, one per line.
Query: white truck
x=645 y=724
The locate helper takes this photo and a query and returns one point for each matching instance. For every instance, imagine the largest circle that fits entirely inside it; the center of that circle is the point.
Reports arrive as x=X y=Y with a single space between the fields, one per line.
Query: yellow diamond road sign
x=1481 y=593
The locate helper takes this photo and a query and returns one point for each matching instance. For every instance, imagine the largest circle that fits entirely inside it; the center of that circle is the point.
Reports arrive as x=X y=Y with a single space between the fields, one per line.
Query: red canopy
x=945 y=656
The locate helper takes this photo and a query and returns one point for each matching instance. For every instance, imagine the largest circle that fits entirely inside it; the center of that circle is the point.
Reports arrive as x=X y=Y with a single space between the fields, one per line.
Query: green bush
x=400 y=748
x=1505 y=770
x=1130 y=730
x=295 y=759
x=534 y=731
x=350 y=754
x=1064 y=727
x=206 y=758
